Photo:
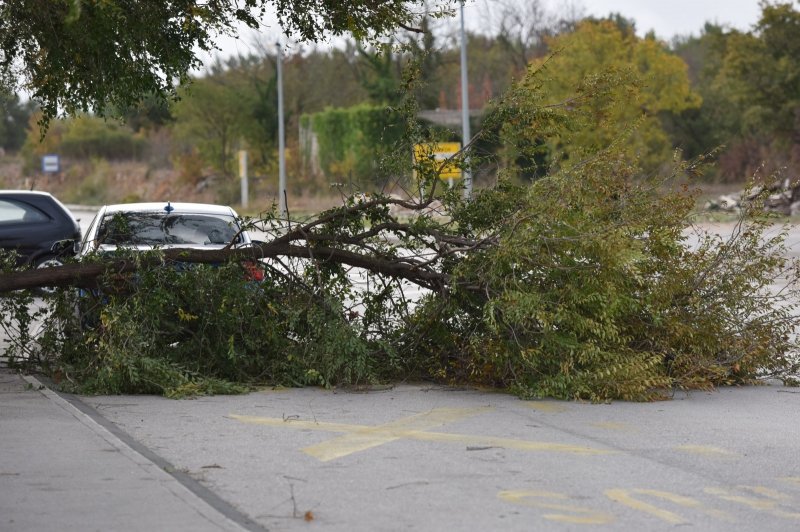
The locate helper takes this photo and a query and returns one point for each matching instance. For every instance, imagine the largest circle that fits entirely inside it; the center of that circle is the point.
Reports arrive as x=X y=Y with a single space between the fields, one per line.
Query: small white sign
x=51 y=163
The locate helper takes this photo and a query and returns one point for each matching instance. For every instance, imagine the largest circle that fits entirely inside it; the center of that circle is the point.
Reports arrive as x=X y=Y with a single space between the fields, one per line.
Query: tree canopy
x=761 y=73
x=90 y=55
x=750 y=86
x=658 y=83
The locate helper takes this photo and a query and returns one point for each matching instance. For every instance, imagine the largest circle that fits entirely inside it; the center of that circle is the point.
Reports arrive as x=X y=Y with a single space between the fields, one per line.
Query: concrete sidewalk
x=61 y=470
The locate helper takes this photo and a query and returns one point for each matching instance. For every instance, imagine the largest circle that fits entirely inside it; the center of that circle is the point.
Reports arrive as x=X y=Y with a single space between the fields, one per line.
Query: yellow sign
x=438 y=153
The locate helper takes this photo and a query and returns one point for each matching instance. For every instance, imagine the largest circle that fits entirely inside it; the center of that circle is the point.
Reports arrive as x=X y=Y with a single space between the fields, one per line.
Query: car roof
x=25 y=193
x=176 y=208
x=36 y=197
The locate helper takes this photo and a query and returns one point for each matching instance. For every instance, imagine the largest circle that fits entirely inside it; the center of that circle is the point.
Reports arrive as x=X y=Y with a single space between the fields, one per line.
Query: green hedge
x=352 y=141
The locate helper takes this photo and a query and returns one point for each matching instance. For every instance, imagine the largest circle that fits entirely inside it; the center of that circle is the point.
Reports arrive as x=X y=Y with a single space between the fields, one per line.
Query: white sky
x=679 y=17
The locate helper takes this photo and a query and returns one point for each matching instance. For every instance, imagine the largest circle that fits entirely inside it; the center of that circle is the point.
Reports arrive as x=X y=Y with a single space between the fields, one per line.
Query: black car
x=37 y=226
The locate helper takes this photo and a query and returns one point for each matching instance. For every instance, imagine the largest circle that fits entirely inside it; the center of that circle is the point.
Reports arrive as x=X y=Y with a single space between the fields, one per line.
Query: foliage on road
x=579 y=286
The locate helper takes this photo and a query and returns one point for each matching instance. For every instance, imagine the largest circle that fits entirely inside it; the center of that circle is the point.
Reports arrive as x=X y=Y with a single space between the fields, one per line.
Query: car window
x=153 y=229
x=13 y=212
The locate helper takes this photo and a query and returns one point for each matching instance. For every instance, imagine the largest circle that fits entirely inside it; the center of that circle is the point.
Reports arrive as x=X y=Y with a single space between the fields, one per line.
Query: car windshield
x=154 y=229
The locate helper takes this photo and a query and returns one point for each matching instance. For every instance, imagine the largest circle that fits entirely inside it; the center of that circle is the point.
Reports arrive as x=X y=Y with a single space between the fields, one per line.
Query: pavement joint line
x=205 y=502
x=362 y=437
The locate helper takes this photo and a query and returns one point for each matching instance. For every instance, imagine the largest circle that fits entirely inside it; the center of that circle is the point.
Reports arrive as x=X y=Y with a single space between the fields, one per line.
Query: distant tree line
x=726 y=90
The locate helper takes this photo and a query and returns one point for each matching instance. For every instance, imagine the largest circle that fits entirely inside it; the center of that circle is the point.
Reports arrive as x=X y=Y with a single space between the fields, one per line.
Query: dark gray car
x=31 y=223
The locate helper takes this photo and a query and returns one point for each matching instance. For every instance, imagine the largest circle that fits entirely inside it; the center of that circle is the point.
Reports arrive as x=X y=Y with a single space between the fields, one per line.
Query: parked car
x=37 y=226
x=146 y=226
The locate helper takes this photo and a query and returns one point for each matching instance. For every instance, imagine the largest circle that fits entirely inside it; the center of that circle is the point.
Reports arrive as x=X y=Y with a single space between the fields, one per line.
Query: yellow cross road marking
x=770 y=504
x=361 y=437
x=626 y=497
x=768 y=492
x=623 y=497
x=366 y=438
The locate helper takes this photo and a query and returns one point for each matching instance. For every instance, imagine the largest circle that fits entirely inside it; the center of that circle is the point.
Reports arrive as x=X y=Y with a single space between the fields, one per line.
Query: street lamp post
x=281 y=139
x=465 y=132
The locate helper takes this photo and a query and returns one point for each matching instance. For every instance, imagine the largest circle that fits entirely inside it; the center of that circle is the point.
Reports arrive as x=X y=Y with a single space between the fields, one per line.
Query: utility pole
x=465 y=132
x=243 y=177
x=281 y=139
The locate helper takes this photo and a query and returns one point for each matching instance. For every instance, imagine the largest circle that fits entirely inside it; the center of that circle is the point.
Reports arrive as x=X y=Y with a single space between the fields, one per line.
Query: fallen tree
x=578 y=285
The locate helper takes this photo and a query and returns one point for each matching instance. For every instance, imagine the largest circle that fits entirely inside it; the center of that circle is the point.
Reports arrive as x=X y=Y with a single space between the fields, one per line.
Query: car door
x=23 y=227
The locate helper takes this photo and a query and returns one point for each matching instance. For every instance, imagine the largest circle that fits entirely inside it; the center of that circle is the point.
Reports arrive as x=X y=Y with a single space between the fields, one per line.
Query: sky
x=679 y=17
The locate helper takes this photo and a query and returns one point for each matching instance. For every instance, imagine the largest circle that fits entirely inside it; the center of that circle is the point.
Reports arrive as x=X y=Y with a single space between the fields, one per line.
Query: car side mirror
x=67 y=246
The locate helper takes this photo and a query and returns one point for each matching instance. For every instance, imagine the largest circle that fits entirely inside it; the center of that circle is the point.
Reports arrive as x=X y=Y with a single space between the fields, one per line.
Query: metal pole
x=243 y=176
x=465 y=132
x=281 y=139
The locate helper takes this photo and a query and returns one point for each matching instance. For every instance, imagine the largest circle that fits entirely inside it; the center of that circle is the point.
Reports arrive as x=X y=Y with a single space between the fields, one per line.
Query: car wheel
x=47 y=262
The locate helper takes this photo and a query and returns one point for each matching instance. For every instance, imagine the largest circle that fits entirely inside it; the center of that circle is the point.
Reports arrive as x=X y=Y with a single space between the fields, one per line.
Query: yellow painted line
x=506 y=443
x=790 y=480
x=768 y=492
x=297 y=423
x=706 y=450
x=626 y=497
x=362 y=437
x=574 y=514
x=769 y=504
x=369 y=437
x=548 y=407
x=273 y=389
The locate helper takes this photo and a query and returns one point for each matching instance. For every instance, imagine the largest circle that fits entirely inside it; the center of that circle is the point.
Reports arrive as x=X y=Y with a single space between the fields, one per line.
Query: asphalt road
x=418 y=457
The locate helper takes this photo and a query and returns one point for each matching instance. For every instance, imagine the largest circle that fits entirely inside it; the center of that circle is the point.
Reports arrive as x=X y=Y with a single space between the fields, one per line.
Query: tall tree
x=379 y=71
x=698 y=130
x=762 y=74
x=750 y=85
x=657 y=82
x=213 y=115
